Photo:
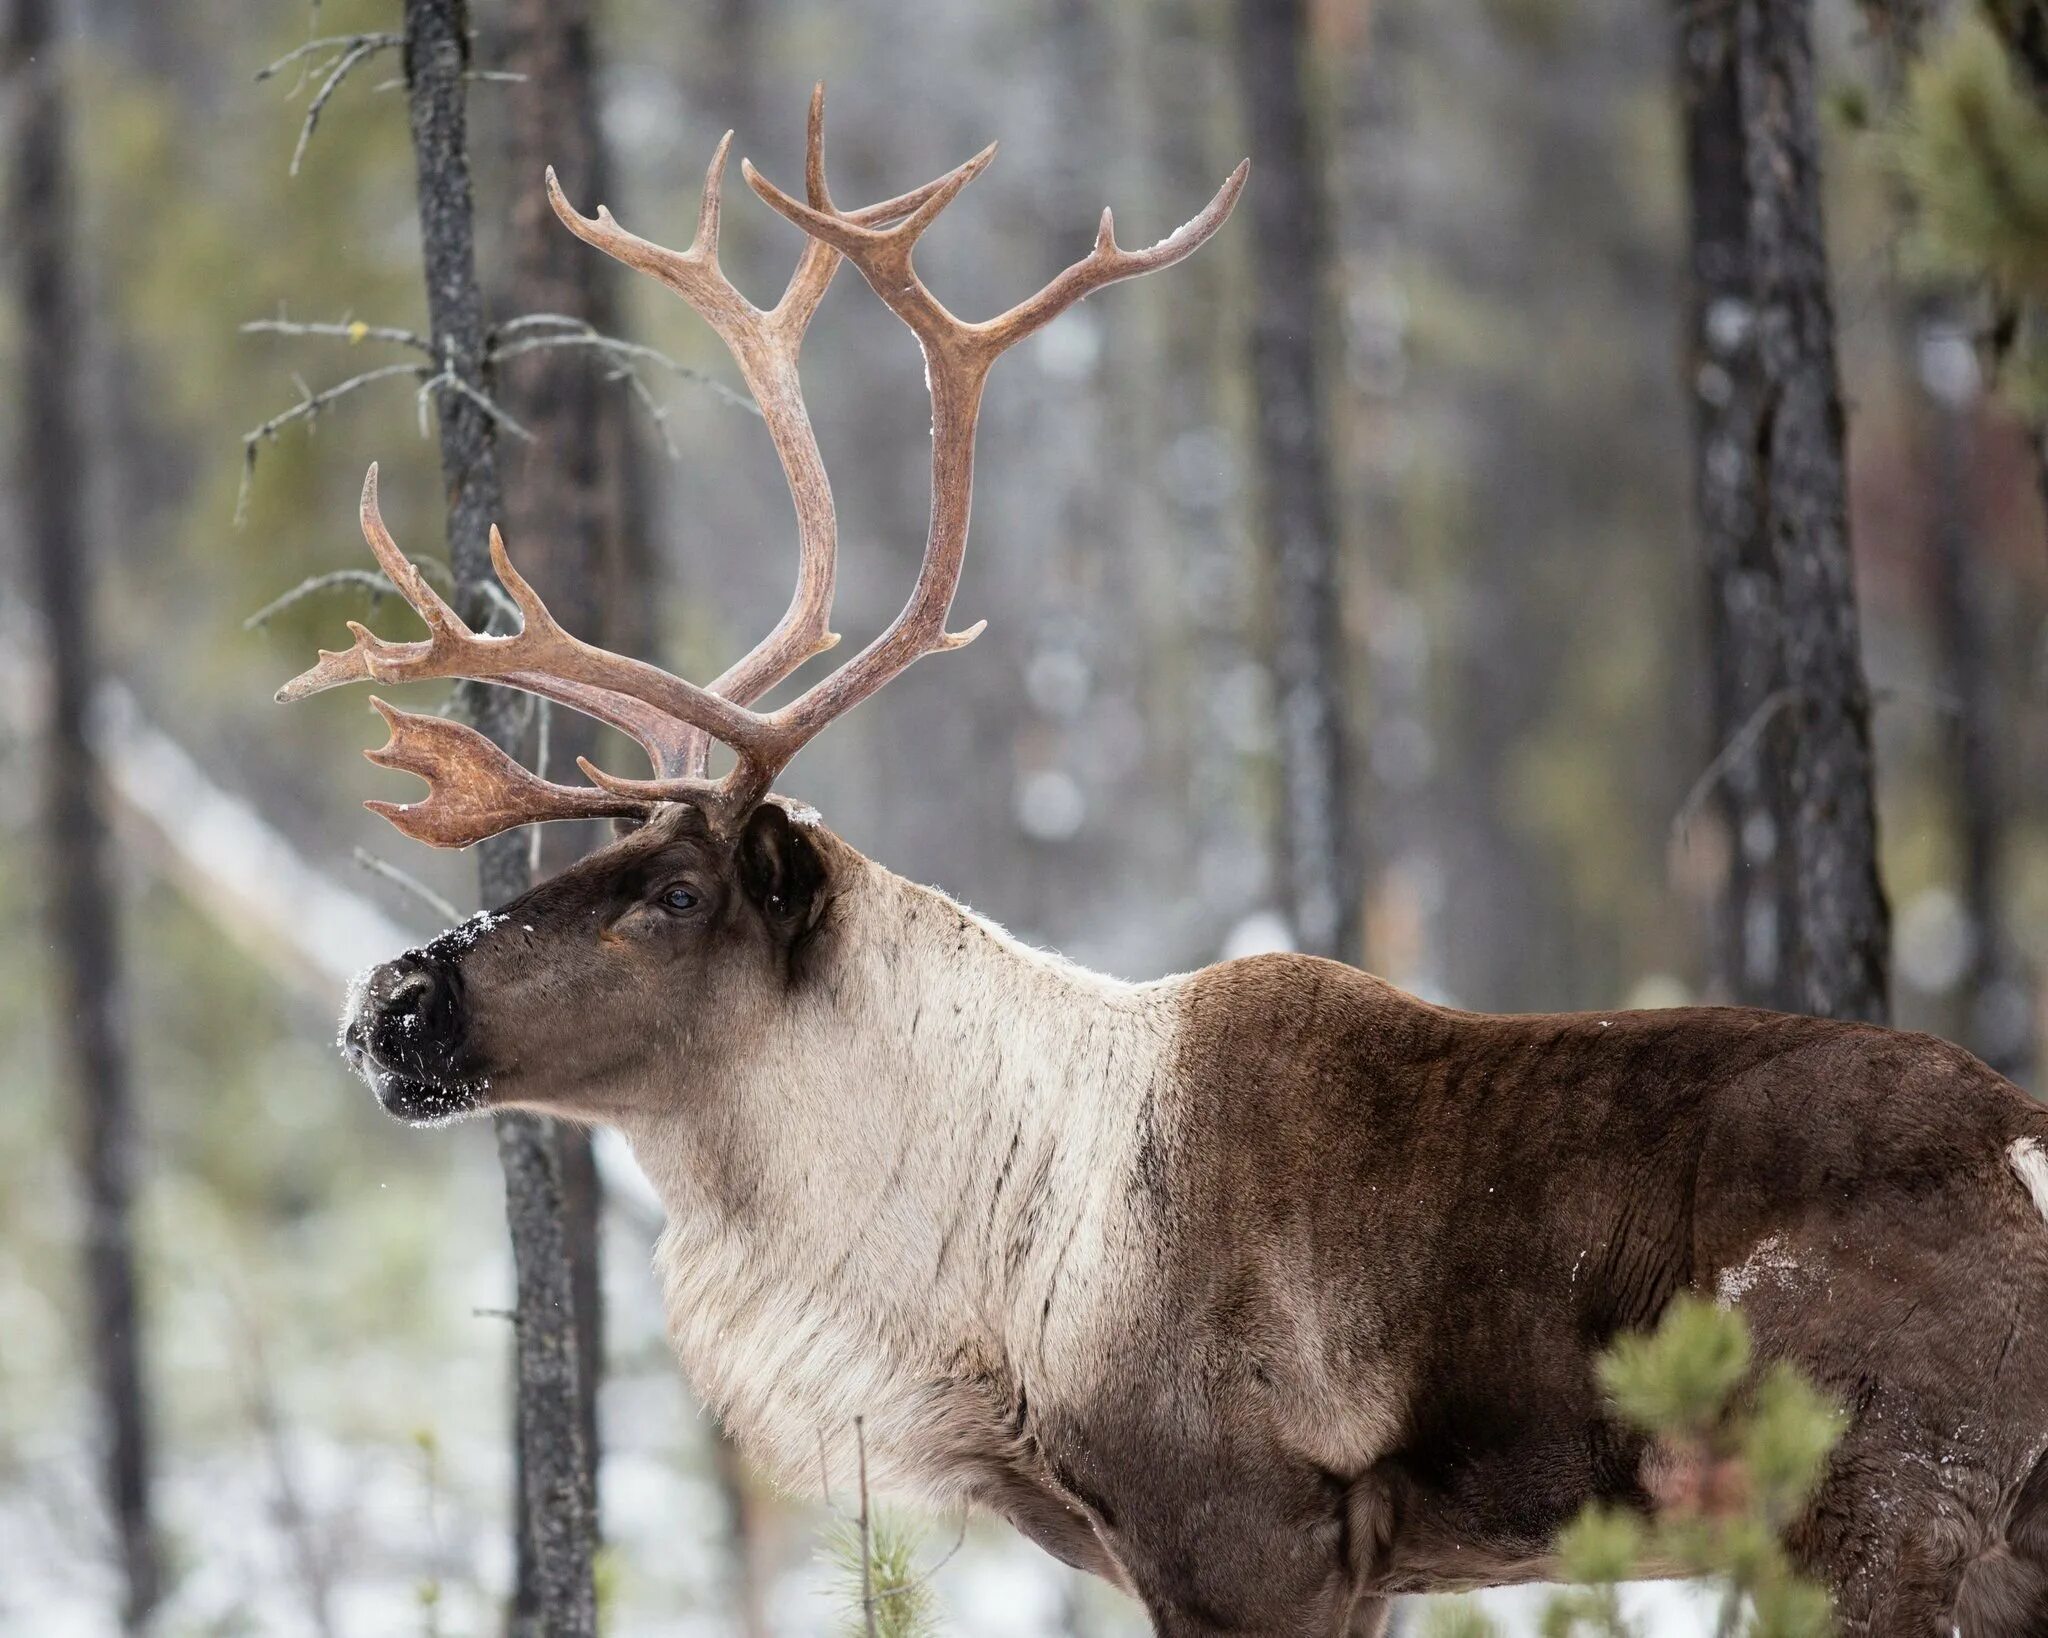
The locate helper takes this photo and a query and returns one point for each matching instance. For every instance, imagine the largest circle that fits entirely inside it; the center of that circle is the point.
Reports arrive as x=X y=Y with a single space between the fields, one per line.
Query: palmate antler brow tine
x=475 y=789
x=764 y=344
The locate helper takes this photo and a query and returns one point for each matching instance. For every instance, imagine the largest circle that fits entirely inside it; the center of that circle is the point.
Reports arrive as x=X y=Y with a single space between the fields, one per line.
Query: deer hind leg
x=2005 y=1592
x=1368 y=1618
x=1893 y=1541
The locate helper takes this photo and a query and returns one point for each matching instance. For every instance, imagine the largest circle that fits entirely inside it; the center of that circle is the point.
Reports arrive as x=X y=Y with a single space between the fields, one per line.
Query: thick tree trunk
x=84 y=919
x=1842 y=945
x=559 y=1598
x=563 y=516
x=1751 y=729
x=1297 y=513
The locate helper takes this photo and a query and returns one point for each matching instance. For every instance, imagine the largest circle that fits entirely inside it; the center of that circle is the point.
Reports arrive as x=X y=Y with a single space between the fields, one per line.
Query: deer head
x=685 y=929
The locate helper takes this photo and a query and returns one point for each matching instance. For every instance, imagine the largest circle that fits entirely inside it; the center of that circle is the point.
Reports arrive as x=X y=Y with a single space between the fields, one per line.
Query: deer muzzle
x=405 y=1032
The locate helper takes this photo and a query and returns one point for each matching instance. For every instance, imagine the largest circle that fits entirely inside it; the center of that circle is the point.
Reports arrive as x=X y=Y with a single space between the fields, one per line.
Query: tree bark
x=83 y=915
x=564 y=516
x=1997 y=1021
x=1842 y=944
x=559 y=1597
x=1297 y=515
x=1750 y=727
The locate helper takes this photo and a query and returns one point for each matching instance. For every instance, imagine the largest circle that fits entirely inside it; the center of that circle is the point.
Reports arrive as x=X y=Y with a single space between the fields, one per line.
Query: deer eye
x=678 y=899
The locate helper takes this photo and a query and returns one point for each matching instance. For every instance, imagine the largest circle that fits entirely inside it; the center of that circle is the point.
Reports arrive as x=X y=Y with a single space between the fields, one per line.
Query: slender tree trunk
x=1750 y=725
x=559 y=1600
x=563 y=515
x=1842 y=949
x=1297 y=514
x=1997 y=1011
x=84 y=919
x=1935 y=344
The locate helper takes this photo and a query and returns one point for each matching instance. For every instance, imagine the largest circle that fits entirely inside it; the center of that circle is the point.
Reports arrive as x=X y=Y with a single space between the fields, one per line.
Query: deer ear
x=781 y=870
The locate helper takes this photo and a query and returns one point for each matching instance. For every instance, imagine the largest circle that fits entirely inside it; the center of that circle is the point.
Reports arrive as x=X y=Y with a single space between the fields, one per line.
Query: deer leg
x=1369 y=1618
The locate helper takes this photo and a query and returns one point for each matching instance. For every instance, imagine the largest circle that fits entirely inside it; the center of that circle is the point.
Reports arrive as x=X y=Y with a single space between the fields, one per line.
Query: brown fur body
x=1402 y=1234
x=1268 y=1292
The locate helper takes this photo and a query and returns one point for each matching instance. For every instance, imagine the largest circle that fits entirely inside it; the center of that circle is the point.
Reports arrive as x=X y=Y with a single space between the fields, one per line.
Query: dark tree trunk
x=2023 y=26
x=1297 y=514
x=1842 y=946
x=559 y=1598
x=1997 y=1022
x=563 y=516
x=84 y=920
x=1750 y=725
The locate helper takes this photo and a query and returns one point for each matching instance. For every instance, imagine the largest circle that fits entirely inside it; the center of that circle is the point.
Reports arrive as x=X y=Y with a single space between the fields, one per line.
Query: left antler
x=476 y=790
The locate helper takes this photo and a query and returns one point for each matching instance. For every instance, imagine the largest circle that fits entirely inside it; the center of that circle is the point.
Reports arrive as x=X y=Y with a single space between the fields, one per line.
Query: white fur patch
x=2029 y=1162
x=937 y=1147
x=1769 y=1260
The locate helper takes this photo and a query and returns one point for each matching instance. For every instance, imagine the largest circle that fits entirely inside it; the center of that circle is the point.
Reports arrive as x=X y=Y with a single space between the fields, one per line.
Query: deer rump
x=1268 y=1292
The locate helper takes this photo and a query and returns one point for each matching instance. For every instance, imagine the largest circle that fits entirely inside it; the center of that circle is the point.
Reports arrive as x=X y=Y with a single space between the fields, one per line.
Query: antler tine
x=958 y=356
x=477 y=790
x=659 y=710
x=764 y=345
x=474 y=789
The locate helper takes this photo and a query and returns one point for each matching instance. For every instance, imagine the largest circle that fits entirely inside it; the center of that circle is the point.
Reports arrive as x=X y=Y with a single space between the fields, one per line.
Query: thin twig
x=488 y=76
x=412 y=884
x=374 y=581
x=449 y=379
x=543 y=725
x=923 y=1579
x=867 y=1557
x=573 y=332
x=1739 y=745
x=309 y=405
x=344 y=329
x=336 y=42
x=657 y=412
x=355 y=49
x=310 y=1557
x=501 y=604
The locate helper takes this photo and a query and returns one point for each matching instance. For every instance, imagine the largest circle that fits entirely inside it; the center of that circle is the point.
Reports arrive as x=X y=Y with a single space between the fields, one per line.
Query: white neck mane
x=922 y=1199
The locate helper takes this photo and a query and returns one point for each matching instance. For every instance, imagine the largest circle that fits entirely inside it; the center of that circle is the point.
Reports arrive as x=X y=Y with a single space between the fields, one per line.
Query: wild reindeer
x=1266 y=1292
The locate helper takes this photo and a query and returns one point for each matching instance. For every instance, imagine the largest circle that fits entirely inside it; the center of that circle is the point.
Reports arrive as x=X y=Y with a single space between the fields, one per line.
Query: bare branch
x=342 y=329
x=373 y=581
x=565 y=331
x=310 y=404
x=454 y=382
x=352 y=50
x=333 y=42
x=867 y=1556
x=1740 y=744
x=411 y=884
x=489 y=76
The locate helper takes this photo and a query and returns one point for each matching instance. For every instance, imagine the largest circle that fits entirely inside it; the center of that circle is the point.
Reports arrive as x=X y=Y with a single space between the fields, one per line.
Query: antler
x=958 y=357
x=477 y=790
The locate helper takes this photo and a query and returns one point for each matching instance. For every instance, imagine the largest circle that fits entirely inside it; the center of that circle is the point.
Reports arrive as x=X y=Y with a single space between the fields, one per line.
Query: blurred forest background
x=1376 y=581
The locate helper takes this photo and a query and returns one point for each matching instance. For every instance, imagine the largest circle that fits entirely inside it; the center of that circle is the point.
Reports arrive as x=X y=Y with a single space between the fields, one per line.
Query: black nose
x=413 y=1017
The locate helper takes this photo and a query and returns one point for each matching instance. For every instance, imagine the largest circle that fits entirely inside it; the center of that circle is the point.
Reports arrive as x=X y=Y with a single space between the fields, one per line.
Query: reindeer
x=1266 y=1292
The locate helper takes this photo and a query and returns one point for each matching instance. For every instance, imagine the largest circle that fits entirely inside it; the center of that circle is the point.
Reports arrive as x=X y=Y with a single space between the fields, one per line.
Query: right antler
x=476 y=790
